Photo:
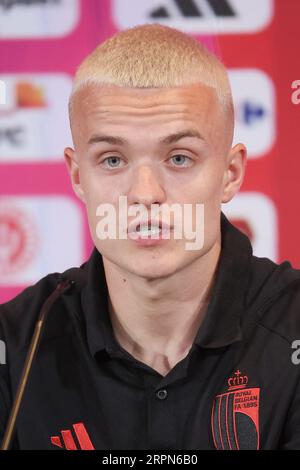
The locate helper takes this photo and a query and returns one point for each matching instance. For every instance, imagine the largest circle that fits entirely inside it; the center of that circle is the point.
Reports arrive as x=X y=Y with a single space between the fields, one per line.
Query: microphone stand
x=61 y=287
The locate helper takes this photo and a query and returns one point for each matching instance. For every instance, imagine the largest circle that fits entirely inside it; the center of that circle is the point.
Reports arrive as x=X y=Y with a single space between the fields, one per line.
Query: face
x=142 y=162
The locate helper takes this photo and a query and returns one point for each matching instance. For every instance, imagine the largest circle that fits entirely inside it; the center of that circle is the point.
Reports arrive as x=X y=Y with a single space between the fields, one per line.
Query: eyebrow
x=169 y=139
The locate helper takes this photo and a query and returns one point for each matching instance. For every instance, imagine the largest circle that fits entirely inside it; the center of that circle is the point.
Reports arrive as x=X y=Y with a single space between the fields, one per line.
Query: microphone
x=61 y=287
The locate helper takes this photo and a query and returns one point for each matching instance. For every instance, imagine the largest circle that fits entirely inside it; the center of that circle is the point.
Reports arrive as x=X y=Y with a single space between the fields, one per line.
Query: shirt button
x=162 y=394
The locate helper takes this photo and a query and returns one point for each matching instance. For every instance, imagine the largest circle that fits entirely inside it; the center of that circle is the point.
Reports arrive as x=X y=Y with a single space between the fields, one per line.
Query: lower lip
x=148 y=241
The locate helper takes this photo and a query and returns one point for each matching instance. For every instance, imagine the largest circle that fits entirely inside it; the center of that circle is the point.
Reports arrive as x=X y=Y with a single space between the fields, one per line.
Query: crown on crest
x=237 y=381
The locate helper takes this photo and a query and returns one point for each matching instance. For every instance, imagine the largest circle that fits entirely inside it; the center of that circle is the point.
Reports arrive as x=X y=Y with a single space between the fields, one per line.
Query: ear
x=235 y=171
x=73 y=168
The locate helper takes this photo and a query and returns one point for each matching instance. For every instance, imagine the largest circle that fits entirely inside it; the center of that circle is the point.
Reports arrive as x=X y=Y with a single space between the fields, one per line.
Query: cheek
x=207 y=186
x=97 y=190
x=100 y=192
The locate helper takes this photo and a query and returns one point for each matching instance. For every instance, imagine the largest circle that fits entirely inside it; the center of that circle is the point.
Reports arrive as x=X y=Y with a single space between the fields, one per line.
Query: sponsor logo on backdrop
x=254 y=102
x=196 y=16
x=34 y=124
x=37 y=18
x=38 y=235
x=18 y=239
x=255 y=214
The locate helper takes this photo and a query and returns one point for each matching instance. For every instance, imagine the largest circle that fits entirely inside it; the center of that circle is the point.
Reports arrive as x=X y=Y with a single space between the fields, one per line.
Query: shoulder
x=19 y=315
x=273 y=297
x=27 y=303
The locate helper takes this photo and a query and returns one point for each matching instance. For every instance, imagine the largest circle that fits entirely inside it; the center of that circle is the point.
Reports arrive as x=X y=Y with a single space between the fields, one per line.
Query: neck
x=157 y=320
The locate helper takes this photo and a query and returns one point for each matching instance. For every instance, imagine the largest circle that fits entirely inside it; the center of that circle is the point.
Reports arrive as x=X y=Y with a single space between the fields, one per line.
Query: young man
x=157 y=346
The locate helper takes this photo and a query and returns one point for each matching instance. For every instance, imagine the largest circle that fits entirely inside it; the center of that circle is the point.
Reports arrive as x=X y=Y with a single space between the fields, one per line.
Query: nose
x=146 y=188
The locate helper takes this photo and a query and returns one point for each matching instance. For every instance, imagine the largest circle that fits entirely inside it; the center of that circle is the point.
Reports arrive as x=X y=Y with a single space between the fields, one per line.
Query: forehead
x=144 y=108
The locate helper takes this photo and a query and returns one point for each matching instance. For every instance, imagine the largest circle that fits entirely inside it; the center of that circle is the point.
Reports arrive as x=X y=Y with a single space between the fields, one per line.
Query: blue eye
x=180 y=159
x=112 y=161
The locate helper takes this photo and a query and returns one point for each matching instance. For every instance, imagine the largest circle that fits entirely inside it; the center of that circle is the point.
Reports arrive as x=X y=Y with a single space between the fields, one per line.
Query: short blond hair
x=153 y=56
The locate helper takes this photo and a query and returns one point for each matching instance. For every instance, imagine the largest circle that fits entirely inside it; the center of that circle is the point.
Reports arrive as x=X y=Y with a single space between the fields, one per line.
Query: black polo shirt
x=236 y=389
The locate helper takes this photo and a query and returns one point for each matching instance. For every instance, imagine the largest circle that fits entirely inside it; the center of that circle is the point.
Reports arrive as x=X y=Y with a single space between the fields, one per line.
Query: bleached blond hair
x=153 y=56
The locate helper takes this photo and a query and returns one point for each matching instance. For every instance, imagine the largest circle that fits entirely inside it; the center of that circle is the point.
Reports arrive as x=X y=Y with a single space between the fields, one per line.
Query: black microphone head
x=76 y=277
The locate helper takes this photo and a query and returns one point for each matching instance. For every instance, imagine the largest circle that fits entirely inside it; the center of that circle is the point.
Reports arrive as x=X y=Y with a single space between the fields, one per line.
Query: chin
x=145 y=263
x=151 y=274
x=152 y=266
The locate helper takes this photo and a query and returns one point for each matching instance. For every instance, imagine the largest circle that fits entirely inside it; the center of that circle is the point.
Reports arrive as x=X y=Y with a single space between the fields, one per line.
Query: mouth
x=148 y=229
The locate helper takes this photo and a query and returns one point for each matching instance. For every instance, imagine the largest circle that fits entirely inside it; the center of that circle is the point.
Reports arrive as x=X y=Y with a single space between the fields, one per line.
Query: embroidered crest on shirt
x=235 y=416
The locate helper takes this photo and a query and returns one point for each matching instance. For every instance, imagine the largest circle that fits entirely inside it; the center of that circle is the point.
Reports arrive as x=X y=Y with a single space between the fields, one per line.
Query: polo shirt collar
x=221 y=325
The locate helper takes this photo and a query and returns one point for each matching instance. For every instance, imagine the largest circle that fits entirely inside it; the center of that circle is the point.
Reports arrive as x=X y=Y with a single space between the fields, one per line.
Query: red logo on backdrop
x=30 y=95
x=18 y=240
x=79 y=440
x=235 y=416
